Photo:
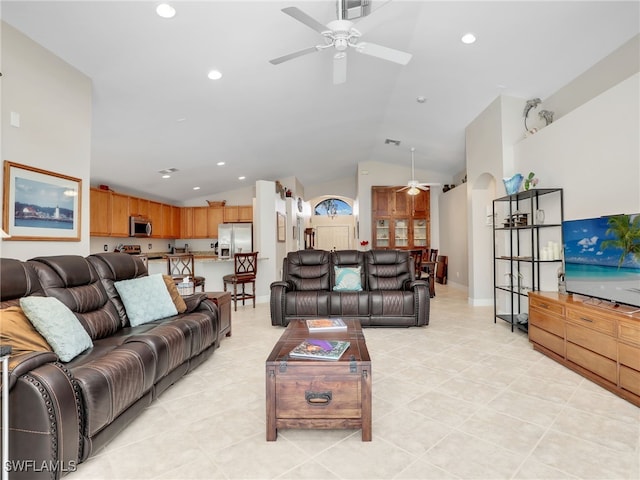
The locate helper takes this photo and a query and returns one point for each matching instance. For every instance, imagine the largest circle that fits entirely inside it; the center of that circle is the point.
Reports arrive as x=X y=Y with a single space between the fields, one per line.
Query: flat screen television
x=602 y=258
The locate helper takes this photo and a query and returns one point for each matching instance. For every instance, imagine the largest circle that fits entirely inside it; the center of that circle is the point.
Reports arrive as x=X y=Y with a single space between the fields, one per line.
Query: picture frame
x=40 y=205
x=281 y=222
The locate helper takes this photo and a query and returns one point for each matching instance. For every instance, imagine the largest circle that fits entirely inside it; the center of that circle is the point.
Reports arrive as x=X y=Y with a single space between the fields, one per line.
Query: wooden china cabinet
x=399 y=220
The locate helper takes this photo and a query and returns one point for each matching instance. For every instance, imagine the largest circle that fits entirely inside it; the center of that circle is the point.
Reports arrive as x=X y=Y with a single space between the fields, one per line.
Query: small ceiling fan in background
x=414 y=186
x=341 y=35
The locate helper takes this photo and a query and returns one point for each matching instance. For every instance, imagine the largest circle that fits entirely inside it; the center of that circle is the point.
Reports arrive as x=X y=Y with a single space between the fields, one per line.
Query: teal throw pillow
x=58 y=325
x=347 y=279
x=146 y=299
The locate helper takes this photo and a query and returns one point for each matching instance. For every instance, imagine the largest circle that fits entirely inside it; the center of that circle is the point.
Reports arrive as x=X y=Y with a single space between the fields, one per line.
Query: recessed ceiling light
x=214 y=75
x=421 y=99
x=166 y=175
x=182 y=119
x=468 y=38
x=220 y=164
x=165 y=10
x=196 y=188
x=242 y=177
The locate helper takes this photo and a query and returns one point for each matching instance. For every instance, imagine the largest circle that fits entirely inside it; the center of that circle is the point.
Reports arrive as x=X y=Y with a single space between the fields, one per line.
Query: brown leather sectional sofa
x=62 y=413
x=389 y=296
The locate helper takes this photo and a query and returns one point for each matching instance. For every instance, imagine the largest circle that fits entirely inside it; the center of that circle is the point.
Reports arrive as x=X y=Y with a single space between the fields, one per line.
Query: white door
x=334 y=237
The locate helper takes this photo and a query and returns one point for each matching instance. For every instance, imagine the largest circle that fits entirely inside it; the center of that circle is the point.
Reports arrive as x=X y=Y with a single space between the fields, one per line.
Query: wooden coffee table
x=319 y=394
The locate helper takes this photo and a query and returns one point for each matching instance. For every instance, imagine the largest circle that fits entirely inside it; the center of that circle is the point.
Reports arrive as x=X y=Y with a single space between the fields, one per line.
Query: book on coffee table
x=319 y=325
x=318 y=349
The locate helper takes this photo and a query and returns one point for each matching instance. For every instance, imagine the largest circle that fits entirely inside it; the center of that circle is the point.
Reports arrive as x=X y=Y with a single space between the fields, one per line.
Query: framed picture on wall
x=282 y=227
x=40 y=205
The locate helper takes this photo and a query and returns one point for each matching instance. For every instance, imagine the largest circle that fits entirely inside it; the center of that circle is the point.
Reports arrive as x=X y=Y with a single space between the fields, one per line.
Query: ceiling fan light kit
x=341 y=35
x=414 y=186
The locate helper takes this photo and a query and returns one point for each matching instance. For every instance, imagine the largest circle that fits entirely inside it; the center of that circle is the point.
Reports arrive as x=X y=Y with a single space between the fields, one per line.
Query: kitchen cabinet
x=100 y=212
x=138 y=207
x=119 y=215
x=238 y=214
x=155 y=215
x=200 y=222
x=521 y=258
x=186 y=222
x=215 y=216
x=400 y=220
x=599 y=343
x=175 y=222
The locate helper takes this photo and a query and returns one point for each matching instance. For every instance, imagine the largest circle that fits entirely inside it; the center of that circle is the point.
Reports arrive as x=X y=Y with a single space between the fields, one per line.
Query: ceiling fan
x=340 y=34
x=414 y=186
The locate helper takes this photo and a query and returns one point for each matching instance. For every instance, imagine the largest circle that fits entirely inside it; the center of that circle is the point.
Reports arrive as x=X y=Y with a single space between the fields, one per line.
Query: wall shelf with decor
x=527 y=250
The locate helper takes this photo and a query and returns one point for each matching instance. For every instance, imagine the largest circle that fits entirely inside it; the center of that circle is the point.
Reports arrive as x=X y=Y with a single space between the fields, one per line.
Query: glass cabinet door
x=401 y=230
x=382 y=233
x=419 y=232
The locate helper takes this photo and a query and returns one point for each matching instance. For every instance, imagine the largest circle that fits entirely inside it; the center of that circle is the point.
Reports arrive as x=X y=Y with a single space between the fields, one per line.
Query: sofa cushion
x=146 y=299
x=347 y=279
x=175 y=295
x=58 y=325
x=18 y=332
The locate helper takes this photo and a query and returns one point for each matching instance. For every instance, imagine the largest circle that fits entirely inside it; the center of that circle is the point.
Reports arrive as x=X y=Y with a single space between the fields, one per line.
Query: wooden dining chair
x=245 y=269
x=417 y=261
x=182 y=265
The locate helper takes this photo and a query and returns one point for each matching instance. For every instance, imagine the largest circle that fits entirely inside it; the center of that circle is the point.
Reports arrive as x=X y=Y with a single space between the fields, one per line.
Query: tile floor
x=462 y=398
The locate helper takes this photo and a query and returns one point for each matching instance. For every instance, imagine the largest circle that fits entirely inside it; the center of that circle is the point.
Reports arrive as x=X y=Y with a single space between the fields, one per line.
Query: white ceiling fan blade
x=385 y=53
x=403 y=188
x=306 y=19
x=339 y=68
x=293 y=55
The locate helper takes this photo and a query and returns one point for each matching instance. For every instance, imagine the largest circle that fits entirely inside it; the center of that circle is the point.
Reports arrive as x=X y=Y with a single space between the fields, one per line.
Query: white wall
x=453 y=234
x=592 y=152
x=53 y=100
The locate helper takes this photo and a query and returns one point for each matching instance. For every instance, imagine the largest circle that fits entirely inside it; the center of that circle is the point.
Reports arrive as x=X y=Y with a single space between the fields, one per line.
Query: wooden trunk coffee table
x=320 y=394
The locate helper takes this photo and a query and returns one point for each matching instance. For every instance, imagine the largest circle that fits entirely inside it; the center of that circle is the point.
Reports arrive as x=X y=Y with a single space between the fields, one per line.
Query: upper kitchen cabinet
x=155 y=215
x=119 y=215
x=100 y=212
x=215 y=216
x=238 y=214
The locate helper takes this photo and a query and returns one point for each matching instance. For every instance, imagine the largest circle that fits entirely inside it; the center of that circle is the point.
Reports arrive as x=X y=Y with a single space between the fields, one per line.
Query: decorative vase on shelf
x=512 y=185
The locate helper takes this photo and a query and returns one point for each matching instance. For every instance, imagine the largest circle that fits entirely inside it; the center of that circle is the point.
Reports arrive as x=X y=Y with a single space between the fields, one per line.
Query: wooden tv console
x=600 y=343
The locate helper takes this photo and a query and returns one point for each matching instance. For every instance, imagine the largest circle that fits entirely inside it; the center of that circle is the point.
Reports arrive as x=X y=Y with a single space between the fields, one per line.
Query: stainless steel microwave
x=139 y=227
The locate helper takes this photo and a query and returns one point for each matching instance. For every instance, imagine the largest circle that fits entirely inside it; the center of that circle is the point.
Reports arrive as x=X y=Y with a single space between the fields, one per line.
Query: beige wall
x=53 y=100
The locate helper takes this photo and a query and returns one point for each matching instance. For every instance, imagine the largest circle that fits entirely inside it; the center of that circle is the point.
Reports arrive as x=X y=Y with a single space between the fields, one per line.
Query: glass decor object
x=512 y=185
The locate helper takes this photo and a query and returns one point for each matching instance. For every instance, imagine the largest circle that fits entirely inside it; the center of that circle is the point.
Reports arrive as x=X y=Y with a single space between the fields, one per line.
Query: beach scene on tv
x=602 y=257
x=43 y=205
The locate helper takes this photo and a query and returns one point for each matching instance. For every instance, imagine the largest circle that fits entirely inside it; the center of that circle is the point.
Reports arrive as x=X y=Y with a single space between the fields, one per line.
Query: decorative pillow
x=17 y=331
x=347 y=279
x=146 y=299
x=175 y=295
x=58 y=325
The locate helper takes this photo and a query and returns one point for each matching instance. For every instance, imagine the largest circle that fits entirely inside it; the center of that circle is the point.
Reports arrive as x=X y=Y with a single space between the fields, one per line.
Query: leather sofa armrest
x=24 y=363
x=284 y=284
x=194 y=301
x=279 y=290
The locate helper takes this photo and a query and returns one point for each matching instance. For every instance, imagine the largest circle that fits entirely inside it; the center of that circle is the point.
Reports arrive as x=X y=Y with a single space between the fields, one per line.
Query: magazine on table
x=319 y=349
x=319 y=325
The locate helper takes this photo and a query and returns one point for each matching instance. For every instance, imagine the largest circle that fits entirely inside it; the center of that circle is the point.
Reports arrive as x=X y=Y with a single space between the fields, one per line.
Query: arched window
x=333 y=206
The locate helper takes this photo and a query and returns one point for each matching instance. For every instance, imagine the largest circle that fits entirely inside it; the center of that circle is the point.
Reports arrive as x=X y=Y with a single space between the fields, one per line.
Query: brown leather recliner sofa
x=389 y=296
x=62 y=413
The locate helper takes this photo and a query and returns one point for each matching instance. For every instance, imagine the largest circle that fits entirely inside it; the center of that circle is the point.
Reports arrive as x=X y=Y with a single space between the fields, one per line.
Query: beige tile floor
x=461 y=398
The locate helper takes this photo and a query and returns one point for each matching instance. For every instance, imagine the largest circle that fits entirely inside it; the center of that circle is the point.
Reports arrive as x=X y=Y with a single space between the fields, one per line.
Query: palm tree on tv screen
x=627 y=236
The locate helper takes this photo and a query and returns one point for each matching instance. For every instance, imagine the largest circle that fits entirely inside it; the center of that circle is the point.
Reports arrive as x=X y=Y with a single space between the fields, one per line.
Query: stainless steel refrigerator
x=234 y=238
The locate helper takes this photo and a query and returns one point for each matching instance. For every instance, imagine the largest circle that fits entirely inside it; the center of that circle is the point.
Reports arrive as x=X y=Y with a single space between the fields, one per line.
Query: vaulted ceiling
x=154 y=107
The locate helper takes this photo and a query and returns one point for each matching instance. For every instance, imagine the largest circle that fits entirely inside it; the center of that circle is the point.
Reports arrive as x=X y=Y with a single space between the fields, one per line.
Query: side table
x=223 y=301
x=5 y=352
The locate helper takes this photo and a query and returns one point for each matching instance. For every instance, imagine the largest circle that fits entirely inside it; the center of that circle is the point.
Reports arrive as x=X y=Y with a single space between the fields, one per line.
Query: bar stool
x=181 y=266
x=245 y=269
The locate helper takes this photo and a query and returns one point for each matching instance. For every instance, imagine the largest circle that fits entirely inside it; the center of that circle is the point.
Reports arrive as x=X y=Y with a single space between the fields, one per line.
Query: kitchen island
x=209 y=266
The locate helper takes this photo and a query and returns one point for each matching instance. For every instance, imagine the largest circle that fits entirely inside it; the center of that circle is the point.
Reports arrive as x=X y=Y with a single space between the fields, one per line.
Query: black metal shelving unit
x=520 y=255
